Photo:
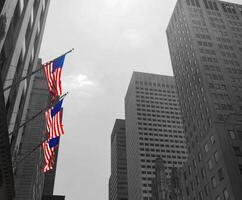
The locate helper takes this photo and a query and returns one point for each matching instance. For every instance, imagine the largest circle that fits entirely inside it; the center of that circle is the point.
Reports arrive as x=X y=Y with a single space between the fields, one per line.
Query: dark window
x=187 y=190
x=197 y=3
x=210 y=5
x=206 y=4
x=193 y=3
x=1 y=5
x=220 y=174
x=213 y=181
x=240 y=168
x=206 y=190
x=237 y=151
x=1 y=178
x=215 y=6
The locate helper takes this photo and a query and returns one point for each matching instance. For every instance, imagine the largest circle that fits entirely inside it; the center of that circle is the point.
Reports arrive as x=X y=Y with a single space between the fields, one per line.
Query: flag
x=53 y=118
x=54 y=142
x=53 y=72
x=49 y=155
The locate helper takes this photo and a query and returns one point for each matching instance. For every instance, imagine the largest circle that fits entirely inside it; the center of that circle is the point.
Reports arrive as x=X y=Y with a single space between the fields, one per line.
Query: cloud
x=79 y=81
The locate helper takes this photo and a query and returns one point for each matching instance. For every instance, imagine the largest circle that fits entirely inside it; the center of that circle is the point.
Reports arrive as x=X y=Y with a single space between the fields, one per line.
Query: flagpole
x=34 y=72
x=37 y=114
x=28 y=154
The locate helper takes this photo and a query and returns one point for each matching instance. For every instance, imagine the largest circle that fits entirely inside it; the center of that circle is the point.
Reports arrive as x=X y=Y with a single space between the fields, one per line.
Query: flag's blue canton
x=54 y=142
x=58 y=63
x=57 y=108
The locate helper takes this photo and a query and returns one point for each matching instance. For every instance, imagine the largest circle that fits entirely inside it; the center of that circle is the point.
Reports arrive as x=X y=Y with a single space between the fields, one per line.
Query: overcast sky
x=112 y=38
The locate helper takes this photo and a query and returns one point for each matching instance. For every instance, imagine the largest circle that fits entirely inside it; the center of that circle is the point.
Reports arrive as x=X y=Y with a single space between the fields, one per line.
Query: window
x=232 y=134
x=210 y=164
x=237 y=151
x=226 y=194
x=200 y=195
x=203 y=173
x=220 y=174
x=218 y=198
x=199 y=156
x=187 y=190
x=206 y=148
x=197 y=180
x=216 y=157
x=194 y=163
x=206 y=190
x=212 y=139
x=240 y=168
x=1 y=179
x=213 y=181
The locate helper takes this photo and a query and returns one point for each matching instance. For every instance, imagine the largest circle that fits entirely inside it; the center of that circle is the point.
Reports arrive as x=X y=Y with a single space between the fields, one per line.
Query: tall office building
x=205 y=41
x=118 y=183
x=22 y=24
x=153 y=129
x=28 y=177
x=19 y=50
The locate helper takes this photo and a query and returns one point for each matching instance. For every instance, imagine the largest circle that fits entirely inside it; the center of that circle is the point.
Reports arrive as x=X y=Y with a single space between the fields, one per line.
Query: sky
x=111 y=38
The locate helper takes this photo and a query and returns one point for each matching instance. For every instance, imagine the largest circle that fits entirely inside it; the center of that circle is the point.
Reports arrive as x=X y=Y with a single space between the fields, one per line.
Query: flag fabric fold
x=53 y=71
x=53 y=116
x=49 y=155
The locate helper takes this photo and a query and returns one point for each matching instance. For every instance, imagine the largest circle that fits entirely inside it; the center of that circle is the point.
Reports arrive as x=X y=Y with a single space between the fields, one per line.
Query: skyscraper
x=205 y=42
x=153 y=129
x=22 y=24
x=29 y=180
x=19 y=50
x=118 y=183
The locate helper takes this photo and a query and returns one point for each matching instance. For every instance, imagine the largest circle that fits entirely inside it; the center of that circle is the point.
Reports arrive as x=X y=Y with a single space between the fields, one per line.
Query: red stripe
x=48 y=156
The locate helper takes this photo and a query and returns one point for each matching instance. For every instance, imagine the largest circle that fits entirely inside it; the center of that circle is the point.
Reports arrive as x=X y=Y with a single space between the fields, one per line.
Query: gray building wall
x=22 y=25
x=153 y=129
x=118 y=183
x=29 y=178
x=19 y=51
x=205 y=42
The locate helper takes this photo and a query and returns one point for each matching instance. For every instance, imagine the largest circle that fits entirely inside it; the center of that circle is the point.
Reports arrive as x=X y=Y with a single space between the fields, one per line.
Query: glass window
x=203 y=173
x=206 y=190
x=232 y=134
x=220 y=174
x=199 y=156
x=216 y=157
x=218 y=198
x=212 y=139
x=210 y=164
x=206 y=148
x=226 y=194
x=237 y=151
x=240 y=168
x=213 y=181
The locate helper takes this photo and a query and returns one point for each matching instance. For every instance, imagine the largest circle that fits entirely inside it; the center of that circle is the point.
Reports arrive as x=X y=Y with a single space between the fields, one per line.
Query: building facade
x=205 y=42
x=118 y=183
x=160 y=183
x=28 y=176
x=19 y=50
x=153 y=129
x=21 y=29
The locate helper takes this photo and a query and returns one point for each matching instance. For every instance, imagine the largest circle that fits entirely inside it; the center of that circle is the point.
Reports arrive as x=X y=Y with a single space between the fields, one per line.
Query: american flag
x=53 y=118
x=53 y=72
x=49 y=147
x=49 y=155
